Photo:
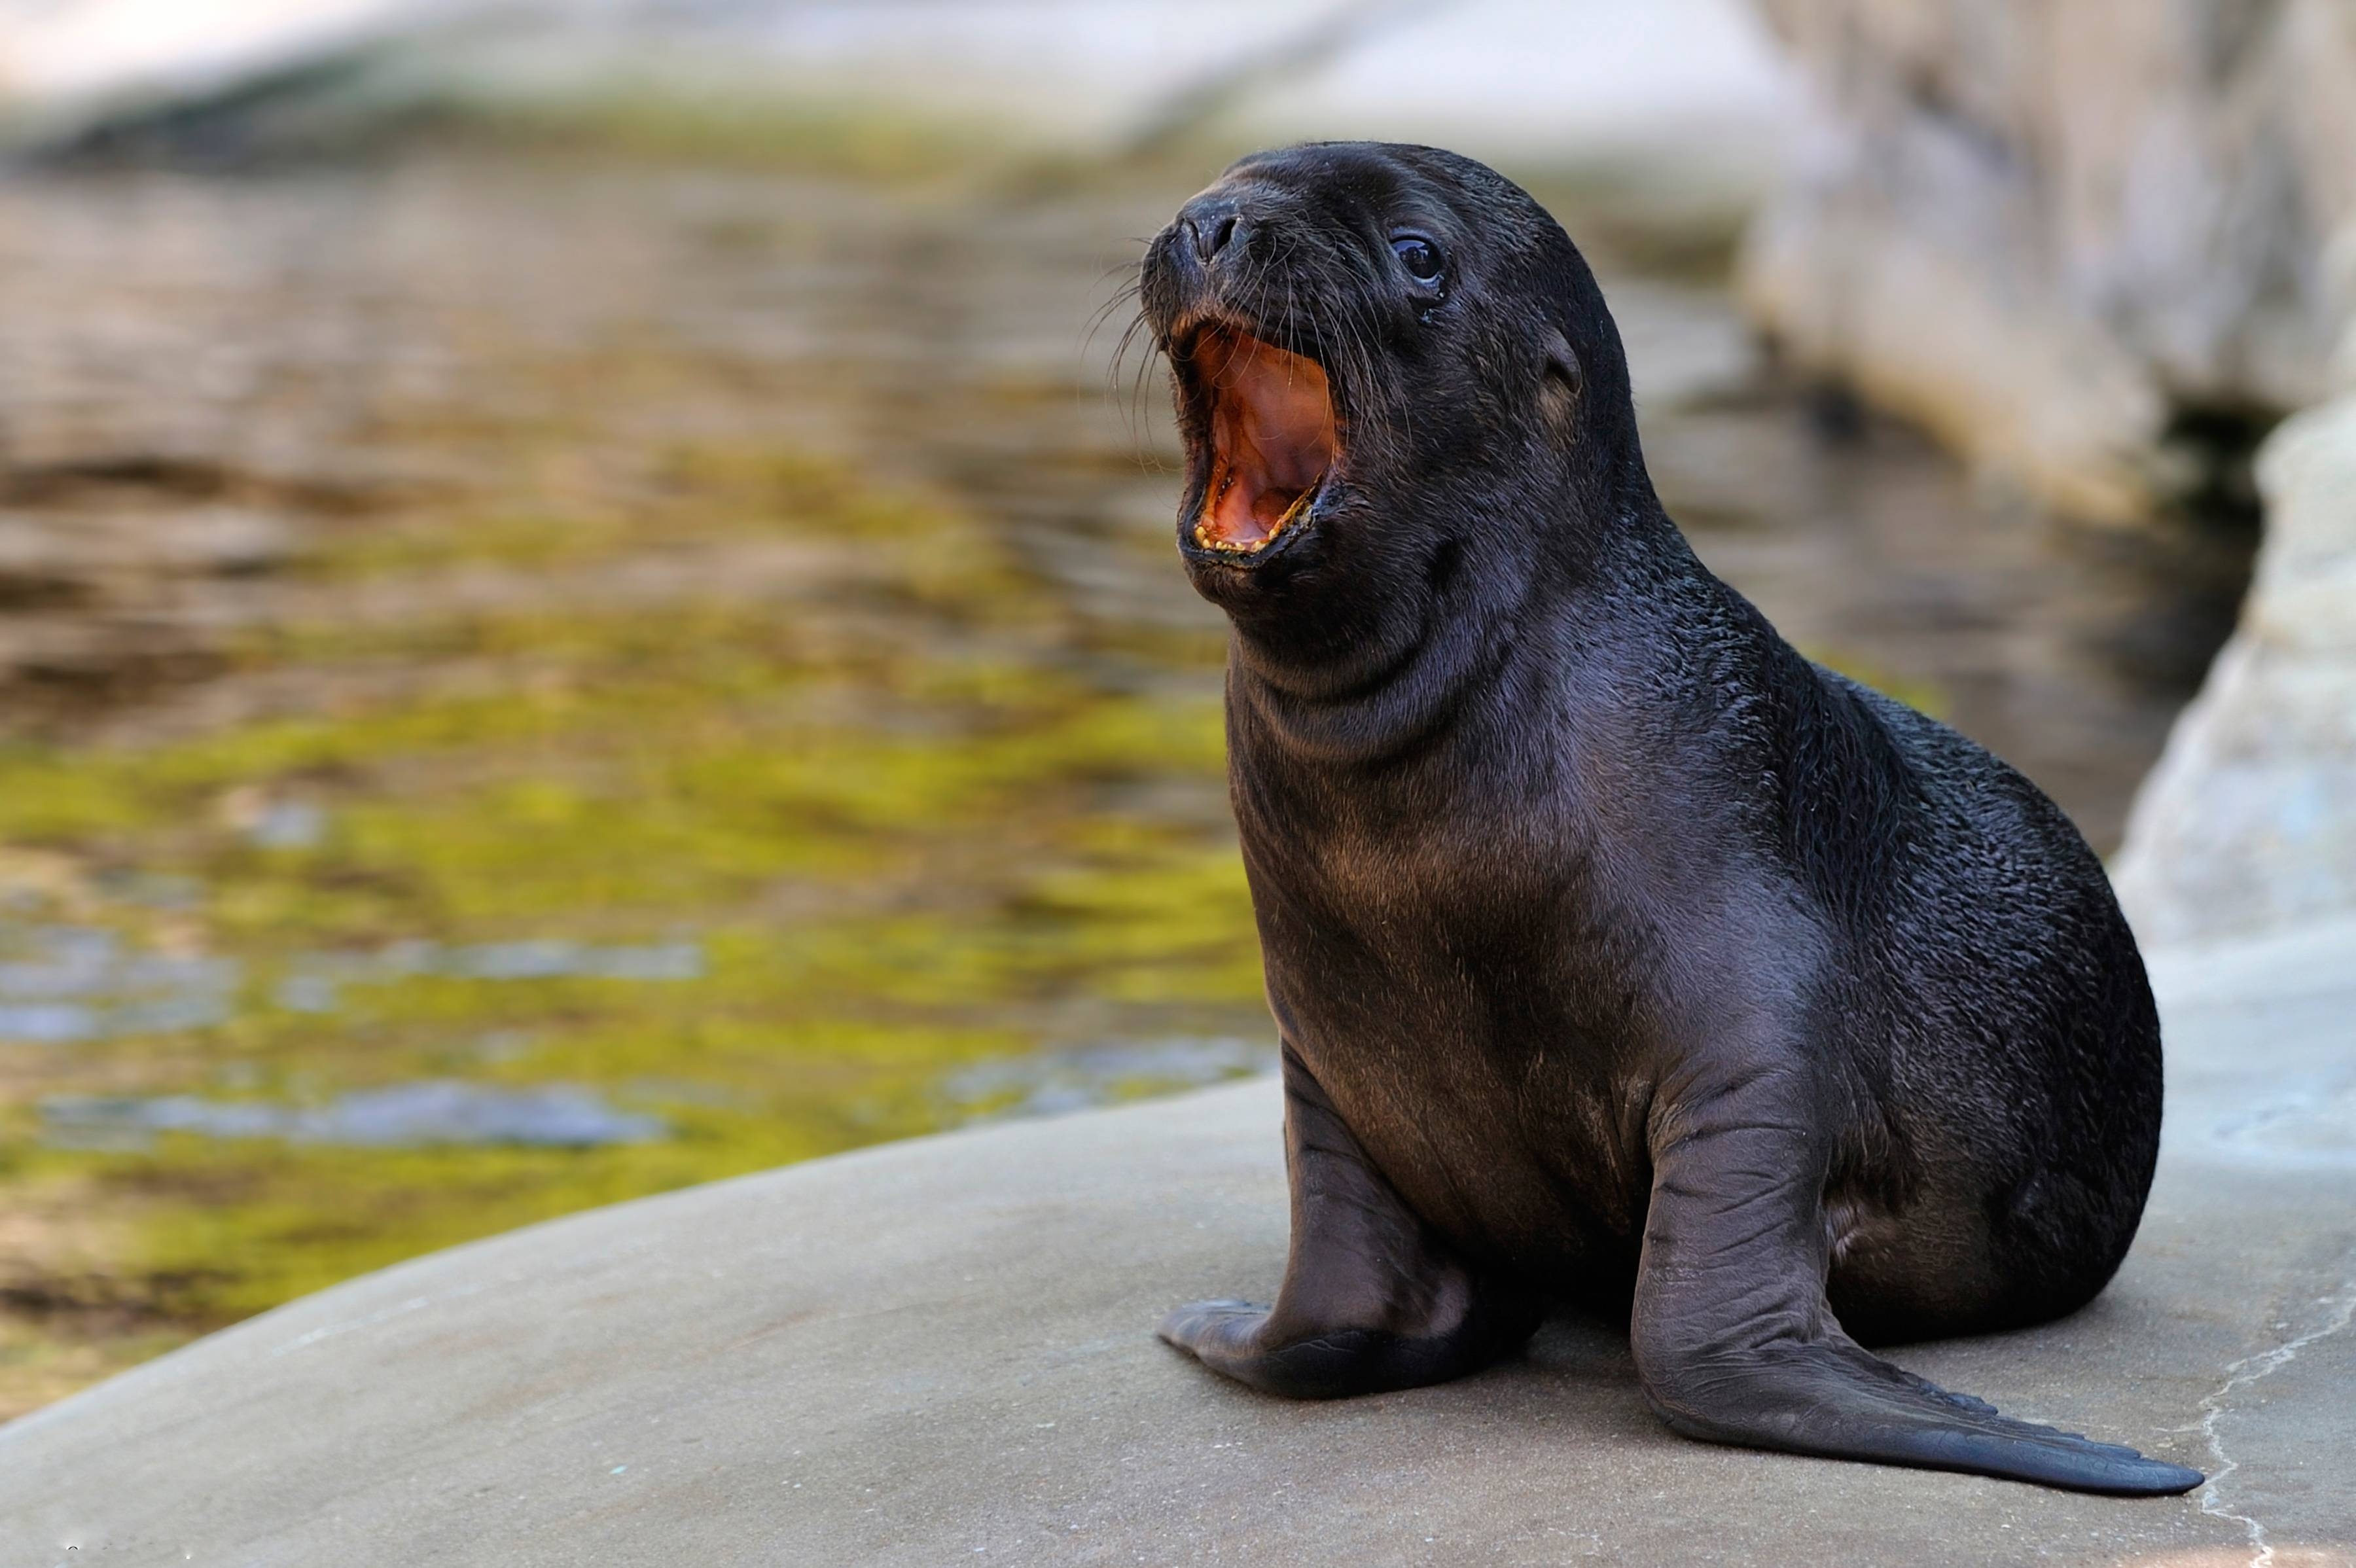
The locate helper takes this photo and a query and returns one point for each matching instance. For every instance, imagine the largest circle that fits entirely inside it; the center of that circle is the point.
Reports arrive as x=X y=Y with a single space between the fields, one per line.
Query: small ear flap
x=1565 y=379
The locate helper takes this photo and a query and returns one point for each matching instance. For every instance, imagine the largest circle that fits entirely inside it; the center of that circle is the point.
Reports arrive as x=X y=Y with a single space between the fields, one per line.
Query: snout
x=1199 y=265
x=1256 y=405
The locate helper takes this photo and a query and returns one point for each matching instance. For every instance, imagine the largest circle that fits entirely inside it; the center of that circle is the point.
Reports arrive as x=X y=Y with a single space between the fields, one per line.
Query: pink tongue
x=1283 y=402
x=1274 y=425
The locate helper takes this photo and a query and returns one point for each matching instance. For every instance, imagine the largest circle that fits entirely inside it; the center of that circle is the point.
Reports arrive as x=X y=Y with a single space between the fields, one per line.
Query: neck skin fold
x=1364 y=661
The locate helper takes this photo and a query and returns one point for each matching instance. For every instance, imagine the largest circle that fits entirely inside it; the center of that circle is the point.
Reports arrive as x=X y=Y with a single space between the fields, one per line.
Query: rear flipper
x=1734 y=1341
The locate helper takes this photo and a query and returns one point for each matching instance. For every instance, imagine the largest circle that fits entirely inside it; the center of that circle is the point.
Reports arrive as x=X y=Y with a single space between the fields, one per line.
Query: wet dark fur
x=1620 y=953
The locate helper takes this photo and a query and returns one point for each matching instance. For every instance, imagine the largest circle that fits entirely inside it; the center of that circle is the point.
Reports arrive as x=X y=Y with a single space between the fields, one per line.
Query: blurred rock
x=2249 y=822
x=2083 y=241
x=2043 y=228
x=91 y=598
x=74 y=557
x=113 y=49
x=1692 y=83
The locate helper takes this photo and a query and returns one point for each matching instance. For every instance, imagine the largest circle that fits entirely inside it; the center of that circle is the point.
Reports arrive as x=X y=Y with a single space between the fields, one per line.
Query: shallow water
x=410 y=1115
x=295 y=331
x=497 y=644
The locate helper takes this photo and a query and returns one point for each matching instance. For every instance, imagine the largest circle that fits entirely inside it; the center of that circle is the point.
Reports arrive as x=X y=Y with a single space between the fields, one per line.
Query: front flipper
x=1734 y=1341
x=1831 y=1398
x=1371 y=1300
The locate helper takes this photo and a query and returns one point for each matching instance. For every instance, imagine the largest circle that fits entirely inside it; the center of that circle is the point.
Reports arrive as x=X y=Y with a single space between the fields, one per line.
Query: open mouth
x=1273 y=437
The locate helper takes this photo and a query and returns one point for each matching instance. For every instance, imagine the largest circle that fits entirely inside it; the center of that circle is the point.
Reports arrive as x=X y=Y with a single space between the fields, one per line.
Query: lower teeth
x=1203 y=537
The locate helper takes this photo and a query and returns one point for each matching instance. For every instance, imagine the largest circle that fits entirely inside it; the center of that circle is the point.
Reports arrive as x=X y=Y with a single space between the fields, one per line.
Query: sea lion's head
x=1392 y=368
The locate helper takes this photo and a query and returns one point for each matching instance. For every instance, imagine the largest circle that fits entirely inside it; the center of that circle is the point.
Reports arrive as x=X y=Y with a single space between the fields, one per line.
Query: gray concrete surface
x=938 y=1352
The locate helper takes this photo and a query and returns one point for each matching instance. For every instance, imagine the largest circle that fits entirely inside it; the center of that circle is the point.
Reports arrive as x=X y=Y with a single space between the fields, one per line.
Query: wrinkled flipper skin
x=1734 y=1341
x=1371 y=1300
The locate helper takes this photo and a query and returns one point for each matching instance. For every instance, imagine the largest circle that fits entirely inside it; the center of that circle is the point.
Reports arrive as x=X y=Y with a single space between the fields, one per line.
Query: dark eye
x=1418 y=255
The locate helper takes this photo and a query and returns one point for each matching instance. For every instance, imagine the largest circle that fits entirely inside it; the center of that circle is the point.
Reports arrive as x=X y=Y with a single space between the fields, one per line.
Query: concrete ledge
x=940 y=1352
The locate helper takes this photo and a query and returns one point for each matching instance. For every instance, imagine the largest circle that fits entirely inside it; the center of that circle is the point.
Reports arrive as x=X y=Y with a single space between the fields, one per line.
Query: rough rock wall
x=2249 y=822
x=2044 y=227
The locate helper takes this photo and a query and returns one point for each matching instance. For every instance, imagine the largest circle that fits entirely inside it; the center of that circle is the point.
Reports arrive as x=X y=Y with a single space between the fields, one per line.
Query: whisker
x=1131 y=400
x=1126 y=295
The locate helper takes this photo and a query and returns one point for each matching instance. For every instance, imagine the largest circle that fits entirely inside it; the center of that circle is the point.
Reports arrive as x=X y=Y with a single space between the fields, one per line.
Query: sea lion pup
x=1619 y=953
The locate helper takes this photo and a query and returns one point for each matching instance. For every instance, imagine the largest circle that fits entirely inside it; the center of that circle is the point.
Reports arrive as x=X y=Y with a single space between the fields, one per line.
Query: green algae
x=751 y=127
x=904 y=826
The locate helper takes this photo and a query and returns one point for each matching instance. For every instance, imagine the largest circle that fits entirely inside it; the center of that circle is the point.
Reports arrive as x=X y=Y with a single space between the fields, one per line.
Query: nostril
x=1210 y=229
